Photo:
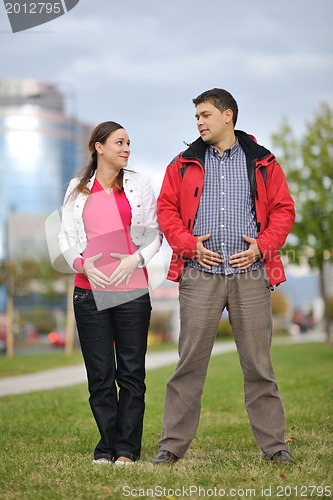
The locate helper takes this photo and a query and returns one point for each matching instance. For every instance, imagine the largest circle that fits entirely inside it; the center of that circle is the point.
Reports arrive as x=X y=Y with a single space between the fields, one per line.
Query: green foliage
x=309 y=168
x=32 y=363
x=224 y=329
x=19 y=276
x=160 y=324
x=40 y=317
x=279 y=304
x=47 y=437
x=330 y=307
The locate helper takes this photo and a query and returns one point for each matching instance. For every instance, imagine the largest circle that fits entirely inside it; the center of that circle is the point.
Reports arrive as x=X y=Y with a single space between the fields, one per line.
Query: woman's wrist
x=139 y=259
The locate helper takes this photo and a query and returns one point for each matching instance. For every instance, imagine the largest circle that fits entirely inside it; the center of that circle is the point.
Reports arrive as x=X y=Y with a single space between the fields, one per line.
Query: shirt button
x=222 y=225
x=222 y=244
x=222 y=176
x=222 y=208
x=222 y=192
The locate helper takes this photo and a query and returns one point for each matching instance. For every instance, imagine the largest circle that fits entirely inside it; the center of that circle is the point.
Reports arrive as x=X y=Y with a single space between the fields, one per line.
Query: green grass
x=47 y=439
x=32 y=363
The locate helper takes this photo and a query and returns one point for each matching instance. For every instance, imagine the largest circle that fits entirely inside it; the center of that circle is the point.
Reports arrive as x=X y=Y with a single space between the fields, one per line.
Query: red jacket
x=180 y=194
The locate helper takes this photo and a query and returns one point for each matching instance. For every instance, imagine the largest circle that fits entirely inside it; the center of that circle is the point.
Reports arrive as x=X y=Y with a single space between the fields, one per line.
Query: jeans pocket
x=80 y=295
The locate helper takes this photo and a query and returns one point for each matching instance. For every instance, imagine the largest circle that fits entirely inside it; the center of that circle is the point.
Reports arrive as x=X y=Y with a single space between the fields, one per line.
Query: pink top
x=107 y=219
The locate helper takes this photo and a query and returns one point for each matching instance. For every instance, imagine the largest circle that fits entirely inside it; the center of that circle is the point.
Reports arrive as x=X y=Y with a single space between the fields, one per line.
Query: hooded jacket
x=180 y=195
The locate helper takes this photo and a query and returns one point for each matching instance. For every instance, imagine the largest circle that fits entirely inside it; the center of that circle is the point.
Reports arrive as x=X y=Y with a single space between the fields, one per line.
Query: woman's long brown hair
x=100 y=134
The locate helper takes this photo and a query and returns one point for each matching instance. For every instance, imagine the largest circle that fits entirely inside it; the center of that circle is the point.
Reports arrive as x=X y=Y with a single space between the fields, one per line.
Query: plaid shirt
x=226 y=210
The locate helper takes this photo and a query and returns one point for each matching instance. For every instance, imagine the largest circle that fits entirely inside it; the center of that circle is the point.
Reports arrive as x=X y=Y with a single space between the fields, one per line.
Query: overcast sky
x=140 y=63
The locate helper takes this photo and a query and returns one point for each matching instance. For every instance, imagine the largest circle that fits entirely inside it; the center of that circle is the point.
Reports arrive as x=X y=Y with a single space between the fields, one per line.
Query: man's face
x=211 y=122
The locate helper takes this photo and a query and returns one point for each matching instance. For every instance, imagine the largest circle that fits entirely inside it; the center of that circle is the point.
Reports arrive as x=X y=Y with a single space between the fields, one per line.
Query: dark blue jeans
x=114 y=342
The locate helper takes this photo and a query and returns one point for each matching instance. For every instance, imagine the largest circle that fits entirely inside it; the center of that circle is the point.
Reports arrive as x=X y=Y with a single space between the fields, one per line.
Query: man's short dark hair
x=221 y=99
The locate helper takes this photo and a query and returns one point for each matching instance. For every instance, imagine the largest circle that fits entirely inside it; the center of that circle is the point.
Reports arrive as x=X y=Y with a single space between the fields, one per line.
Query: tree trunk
x=323 y=293
x=70 y=322
x=10 y=322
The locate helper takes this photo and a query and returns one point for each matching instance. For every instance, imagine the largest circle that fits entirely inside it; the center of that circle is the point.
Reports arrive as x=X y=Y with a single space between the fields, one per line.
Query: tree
x=21 y=278
x=16 y=277
x=308 y=163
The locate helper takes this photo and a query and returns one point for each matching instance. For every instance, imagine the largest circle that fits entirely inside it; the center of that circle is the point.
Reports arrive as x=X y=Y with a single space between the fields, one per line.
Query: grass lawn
x=32 y=363
x=47 y=439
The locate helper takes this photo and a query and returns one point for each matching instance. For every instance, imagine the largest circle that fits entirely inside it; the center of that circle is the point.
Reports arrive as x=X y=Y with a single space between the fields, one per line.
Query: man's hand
x=206 y=258
x=128 y=263
x=96 y=278
x=244 y=260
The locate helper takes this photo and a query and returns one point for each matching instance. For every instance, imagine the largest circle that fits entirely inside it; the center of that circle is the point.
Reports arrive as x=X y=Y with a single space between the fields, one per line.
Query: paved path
x=72 y=375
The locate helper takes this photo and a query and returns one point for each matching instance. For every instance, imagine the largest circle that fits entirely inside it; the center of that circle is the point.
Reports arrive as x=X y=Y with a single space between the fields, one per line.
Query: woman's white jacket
x=144 y=230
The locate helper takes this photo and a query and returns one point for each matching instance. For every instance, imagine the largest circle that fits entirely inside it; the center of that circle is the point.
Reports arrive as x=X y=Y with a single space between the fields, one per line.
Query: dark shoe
x=165 y=457
x=281 y=456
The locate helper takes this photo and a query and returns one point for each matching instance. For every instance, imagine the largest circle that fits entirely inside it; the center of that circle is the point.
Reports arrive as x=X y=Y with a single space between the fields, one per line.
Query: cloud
x=142 y=63
x=281 y=66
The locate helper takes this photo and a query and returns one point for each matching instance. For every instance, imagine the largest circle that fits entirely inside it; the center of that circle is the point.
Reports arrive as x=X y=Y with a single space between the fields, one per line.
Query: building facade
x=40 y=150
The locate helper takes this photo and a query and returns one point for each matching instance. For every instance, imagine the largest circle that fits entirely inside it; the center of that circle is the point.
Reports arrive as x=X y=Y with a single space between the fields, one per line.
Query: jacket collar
x=90 y=183
x=252 y=150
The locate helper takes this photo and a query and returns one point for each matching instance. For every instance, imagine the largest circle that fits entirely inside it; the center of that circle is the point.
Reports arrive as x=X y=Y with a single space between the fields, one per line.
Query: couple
x=225 y=210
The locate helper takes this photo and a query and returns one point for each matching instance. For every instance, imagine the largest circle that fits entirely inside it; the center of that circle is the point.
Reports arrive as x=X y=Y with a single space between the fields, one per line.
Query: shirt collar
x=228 y=152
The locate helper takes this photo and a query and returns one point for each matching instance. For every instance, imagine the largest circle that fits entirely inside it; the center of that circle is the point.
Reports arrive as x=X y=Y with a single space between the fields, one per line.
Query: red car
x=57 y=339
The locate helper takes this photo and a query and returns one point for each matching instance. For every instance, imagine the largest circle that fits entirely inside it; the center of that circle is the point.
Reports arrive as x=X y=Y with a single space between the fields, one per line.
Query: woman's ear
x=98 y=147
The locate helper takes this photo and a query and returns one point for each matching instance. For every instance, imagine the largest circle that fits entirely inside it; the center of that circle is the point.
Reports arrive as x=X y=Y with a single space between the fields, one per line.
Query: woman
x=109 y=233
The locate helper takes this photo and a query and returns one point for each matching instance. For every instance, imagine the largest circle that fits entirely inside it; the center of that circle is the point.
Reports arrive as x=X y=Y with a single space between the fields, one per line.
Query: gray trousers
x=203 y=296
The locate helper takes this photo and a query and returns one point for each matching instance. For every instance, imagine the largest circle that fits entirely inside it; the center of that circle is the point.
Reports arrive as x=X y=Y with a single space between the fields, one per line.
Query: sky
x=141 y=63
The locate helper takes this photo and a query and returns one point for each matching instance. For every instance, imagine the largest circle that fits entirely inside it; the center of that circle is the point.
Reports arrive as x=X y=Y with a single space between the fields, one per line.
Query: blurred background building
x=42 y=145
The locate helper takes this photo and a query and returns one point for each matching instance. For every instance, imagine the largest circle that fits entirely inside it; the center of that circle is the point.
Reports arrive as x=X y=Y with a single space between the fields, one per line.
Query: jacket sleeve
x=69 y=233
x=280 y=212
x=179 y=237
x=152 y=235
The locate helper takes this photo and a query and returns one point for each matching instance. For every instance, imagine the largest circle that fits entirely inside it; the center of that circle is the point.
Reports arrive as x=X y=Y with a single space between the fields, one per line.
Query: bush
x=224 y=329
x=42 y=319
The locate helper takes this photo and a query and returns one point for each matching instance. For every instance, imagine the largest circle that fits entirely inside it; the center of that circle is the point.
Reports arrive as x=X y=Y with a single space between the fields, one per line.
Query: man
x=225 y=209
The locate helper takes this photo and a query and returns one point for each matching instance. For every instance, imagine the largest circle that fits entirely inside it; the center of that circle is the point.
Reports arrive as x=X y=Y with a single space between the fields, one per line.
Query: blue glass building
x=39 y=150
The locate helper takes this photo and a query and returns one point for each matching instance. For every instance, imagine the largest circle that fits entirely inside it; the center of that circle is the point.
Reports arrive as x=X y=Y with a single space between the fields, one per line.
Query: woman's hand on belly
x=128 y=264
x=96 y=278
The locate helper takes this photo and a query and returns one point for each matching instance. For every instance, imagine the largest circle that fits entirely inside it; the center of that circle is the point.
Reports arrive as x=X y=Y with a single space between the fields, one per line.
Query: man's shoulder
x=176 y=160
x=250 y=146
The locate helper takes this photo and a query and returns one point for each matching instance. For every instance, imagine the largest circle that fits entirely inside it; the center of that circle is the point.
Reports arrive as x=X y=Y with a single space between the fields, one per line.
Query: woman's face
x=116 y=149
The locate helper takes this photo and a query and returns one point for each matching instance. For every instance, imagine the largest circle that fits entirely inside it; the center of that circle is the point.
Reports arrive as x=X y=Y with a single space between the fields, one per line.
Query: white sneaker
x=124 y=461
x=101 y=461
